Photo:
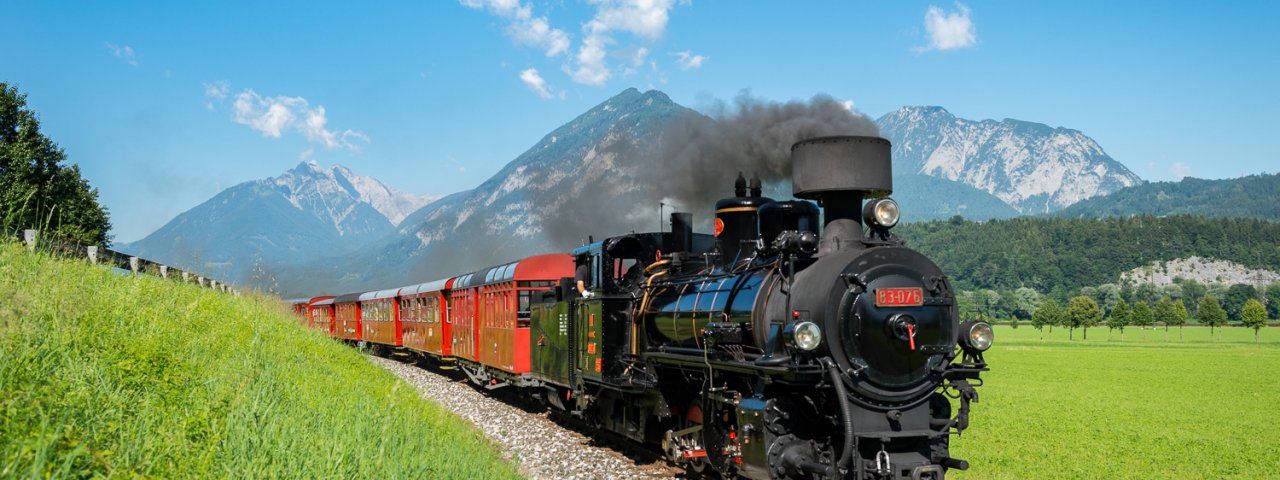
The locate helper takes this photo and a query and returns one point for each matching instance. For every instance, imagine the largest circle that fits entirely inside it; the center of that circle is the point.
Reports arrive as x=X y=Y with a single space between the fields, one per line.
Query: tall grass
x=104 y=375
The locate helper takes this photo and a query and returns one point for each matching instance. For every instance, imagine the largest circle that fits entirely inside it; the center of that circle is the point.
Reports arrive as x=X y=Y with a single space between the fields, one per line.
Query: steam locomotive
x=772 y=349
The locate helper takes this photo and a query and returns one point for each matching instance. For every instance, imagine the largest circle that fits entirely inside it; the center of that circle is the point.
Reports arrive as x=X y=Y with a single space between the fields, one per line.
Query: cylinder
x=736 y=224
x=679 y=315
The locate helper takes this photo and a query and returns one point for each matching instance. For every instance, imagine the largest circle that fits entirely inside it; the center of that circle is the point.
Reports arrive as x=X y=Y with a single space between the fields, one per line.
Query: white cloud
x=591 y=67
x=646 y=19
x=535 y=82
x=523 y=27
x=123 y=52
x=1181 y=170
x=218 y=90
x=273 y=116
x=949 y=30
x=638 y=56
x=847 y=104
x=306 y=154
x=688 y=60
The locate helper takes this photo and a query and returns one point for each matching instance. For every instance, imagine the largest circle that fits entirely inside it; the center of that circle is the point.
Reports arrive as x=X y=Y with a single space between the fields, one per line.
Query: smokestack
x=681 y=232
x=840 y=172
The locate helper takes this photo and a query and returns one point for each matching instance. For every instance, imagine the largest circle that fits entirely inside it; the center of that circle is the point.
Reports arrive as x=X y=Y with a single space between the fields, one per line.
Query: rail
x=120 y=261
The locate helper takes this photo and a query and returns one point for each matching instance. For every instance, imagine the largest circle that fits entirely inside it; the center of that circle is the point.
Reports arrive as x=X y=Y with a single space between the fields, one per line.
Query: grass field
x=1139 y=408
x=103 y=375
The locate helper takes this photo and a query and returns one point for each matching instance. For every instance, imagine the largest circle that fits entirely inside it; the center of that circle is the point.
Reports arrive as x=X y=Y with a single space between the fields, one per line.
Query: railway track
x=544 y=446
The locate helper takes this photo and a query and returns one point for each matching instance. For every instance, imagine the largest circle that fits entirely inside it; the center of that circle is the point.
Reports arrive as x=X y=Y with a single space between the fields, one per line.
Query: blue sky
x=163 y=104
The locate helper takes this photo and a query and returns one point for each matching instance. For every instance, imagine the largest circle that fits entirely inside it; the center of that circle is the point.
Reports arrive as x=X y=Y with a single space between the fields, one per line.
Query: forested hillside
x=1061 y=255
x=1253 y=196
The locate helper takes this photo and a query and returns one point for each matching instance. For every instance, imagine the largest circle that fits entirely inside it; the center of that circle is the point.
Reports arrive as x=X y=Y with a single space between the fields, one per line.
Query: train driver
x=583 y=276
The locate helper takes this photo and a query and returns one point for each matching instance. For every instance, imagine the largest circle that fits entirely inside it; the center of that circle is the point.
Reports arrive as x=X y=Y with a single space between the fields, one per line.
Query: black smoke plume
x=691 y=162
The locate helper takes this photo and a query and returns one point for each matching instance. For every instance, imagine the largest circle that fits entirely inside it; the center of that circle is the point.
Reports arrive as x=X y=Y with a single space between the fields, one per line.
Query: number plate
x=899 y=297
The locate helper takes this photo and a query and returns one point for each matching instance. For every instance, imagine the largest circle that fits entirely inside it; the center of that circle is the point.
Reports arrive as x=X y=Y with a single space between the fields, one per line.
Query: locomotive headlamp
x=976 y=335
x=804 y=335
x=881 y=213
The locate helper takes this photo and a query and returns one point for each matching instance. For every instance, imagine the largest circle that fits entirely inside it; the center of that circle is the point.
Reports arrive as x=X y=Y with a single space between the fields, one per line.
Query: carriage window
x=524 y=303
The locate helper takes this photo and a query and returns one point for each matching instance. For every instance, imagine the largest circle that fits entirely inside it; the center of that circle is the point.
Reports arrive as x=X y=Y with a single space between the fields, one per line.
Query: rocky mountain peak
x=308 y=182
x=1031 y=166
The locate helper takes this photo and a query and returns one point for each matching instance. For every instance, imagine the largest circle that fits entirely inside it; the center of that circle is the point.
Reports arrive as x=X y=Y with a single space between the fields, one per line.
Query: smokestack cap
x=841 y=164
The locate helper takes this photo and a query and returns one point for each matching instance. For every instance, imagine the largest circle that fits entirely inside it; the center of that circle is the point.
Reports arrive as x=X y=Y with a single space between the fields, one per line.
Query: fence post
x=29 y=237
x=164 y=271
x=134 y=263
x=92 y=251
x=186 y=277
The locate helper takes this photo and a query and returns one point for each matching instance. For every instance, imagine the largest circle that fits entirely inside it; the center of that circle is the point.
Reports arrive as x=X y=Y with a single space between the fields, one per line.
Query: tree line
x=1057 y=255
x=1119 y=306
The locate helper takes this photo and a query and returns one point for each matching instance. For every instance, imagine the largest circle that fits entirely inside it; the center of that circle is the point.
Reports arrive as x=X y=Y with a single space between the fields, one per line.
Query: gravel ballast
x=542 y=448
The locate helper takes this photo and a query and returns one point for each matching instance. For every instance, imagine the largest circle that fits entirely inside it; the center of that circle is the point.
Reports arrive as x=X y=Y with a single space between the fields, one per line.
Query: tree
x=1254 y=316
x=1179 y=316
x=1192 y=290
x=1236 y=296
x=968 y=307
x=1142 y=317
x=1024 y=301
x=1273 y=301
x=1118 y=318
x=1165 y=314
x=1048 y=315
x=1083 y=313
x=1210 y=313
x=1108 y=296
x=1146 y=292
x=36 y=190
x=1091 y=292
x=988 y=301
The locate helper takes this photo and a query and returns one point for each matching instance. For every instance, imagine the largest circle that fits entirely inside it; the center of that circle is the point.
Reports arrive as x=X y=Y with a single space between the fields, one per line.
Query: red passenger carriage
x=320 y=313
x=491 y=310
x=424 y=317
x=380 y=317
x=346 y=312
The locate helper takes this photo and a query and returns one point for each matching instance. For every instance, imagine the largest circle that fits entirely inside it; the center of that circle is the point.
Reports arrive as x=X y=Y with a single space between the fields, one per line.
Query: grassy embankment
x=1139 y=408
x=119 y=376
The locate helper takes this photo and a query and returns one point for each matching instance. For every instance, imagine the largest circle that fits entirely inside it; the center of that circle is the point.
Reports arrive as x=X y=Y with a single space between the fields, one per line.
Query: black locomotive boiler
x=781 y=347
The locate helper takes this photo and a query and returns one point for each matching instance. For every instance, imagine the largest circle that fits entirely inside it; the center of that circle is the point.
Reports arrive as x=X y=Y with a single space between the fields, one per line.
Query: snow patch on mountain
x=1031 y=166
x=337 y=190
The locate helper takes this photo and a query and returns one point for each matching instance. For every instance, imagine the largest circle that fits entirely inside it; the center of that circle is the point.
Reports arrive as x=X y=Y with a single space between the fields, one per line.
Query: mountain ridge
x=595 y=175
x=1031 y=166
x=254 y=227
x=1251 y=196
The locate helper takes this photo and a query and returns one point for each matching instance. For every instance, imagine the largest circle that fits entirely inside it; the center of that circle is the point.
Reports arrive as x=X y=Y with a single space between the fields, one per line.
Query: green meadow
x=105 y=375
x=1141 y=407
